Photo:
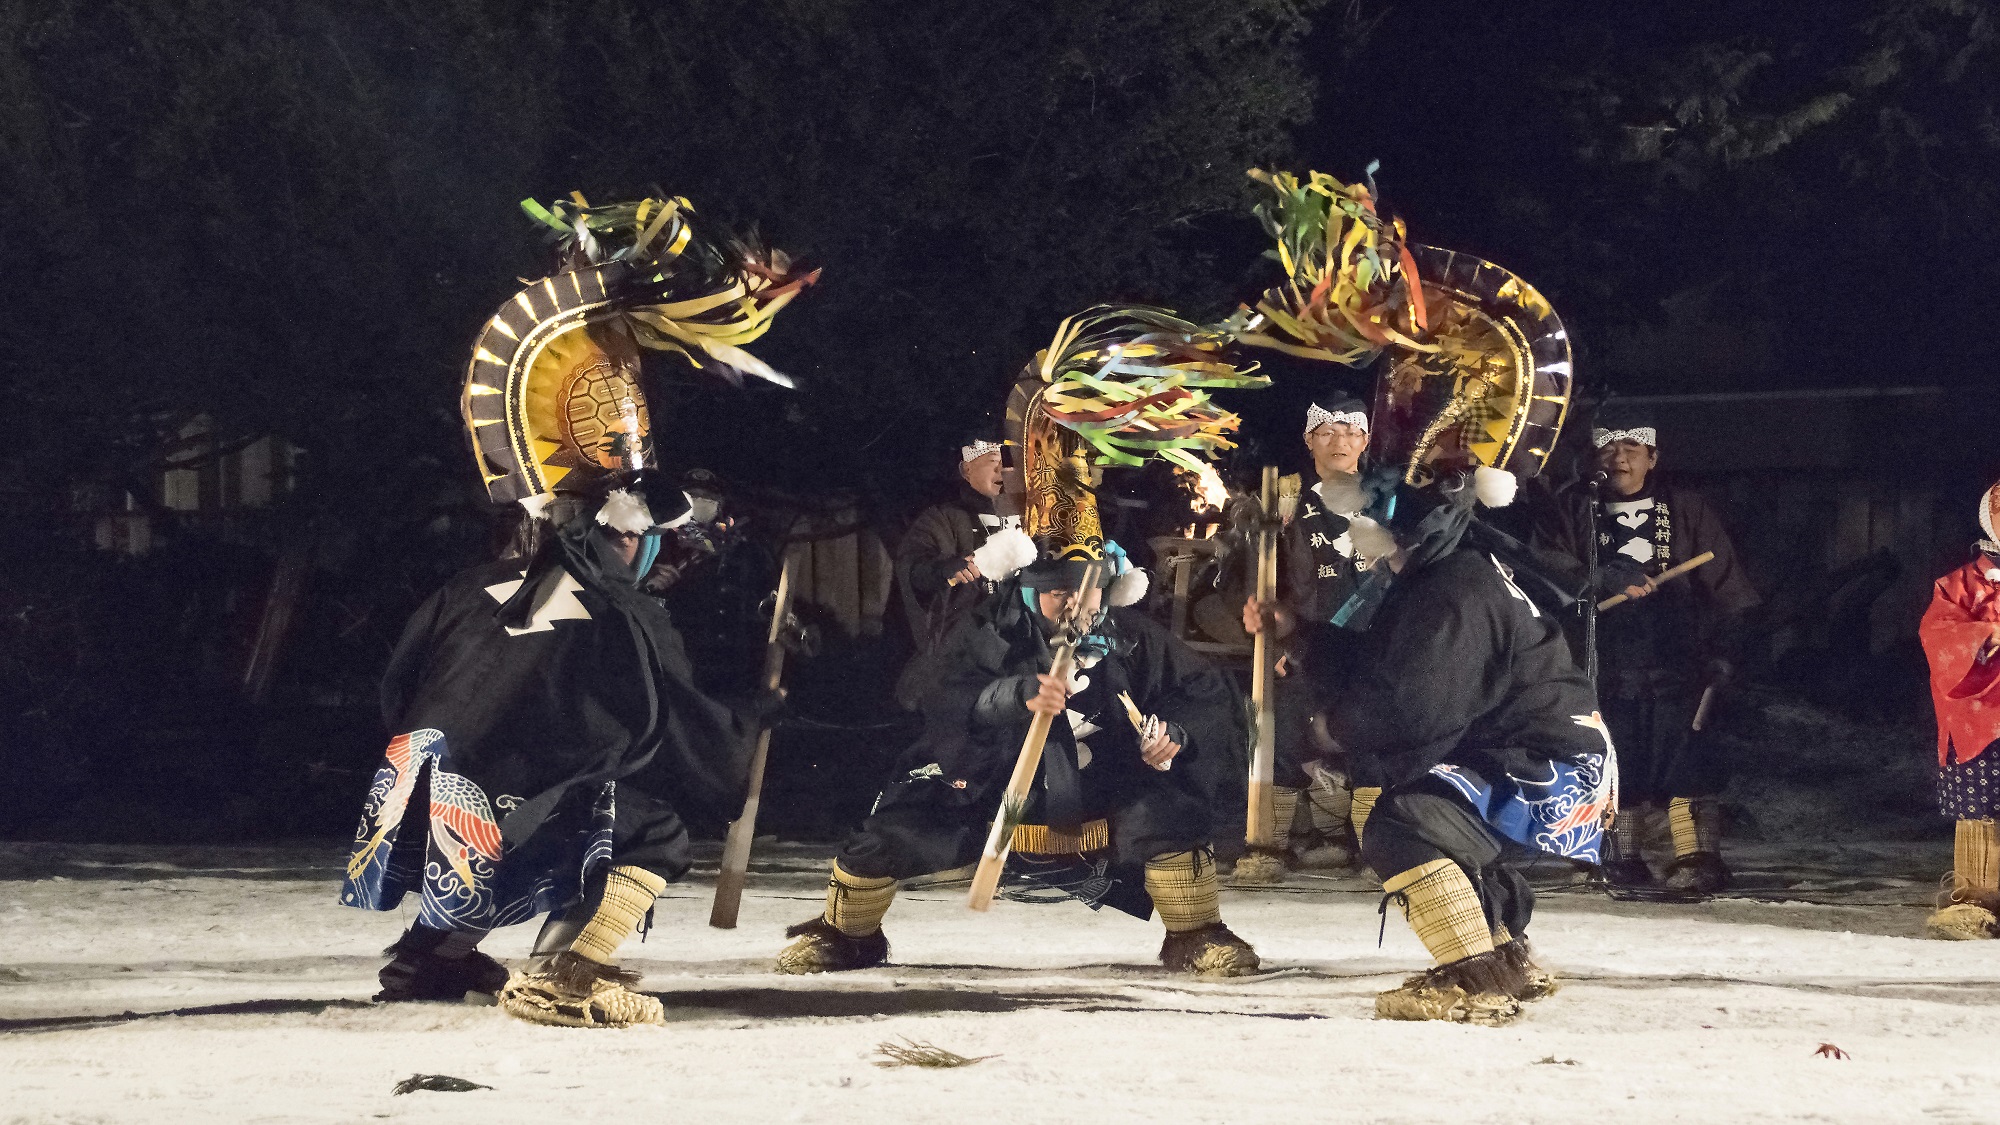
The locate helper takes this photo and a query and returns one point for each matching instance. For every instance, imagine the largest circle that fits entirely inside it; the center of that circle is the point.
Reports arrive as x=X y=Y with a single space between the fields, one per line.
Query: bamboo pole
x=1665 y=576
x=735 y=869
x=1260 y=829
x=1000 y=838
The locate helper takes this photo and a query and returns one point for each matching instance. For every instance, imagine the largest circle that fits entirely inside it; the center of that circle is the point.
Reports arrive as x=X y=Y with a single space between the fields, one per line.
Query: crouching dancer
x=1121 y=812
x=1463 y=706
x=1144 y=733
x=1479 y=730
x=527 y=692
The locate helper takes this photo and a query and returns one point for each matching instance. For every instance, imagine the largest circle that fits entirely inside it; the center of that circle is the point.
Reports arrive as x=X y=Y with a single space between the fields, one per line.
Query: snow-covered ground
x=224 y=985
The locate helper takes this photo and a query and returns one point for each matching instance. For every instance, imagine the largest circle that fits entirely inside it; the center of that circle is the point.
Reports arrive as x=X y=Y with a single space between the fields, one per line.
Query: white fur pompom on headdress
x=1494 y=488
x=1128 y=588
x=537 y=506
x=1371 y=540
x=1004 y=553
x=625 y=511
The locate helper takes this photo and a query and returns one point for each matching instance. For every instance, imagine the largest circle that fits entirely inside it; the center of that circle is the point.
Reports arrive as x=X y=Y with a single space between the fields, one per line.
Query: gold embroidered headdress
x=1479 y=368
x=552 y=395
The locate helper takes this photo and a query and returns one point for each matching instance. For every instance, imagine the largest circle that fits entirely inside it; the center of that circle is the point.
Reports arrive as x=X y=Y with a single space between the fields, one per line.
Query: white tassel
x=537 y=506
x=1494 y=488
x=1129 y=588
x=1004 y=553
x=1371 y=540
x=625 y=511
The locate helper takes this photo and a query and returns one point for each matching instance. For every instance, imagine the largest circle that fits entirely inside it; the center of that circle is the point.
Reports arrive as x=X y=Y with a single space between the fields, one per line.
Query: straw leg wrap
x=1284 y=810
x=628 y=894
x=1363 y=804
x=1975 y=865
x=1329 y=806
x=855 y=905
x=1696 y=823
x=1185 y=890
x=1443 y=909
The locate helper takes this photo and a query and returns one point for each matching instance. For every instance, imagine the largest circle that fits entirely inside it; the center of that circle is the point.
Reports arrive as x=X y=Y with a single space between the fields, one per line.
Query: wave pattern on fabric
x=1561 y=813
x=455 y=859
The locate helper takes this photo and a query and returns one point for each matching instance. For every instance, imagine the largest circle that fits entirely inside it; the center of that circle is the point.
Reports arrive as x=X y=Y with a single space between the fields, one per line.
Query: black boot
x=1698 y=872
x=1628 y=871
x=418 y=970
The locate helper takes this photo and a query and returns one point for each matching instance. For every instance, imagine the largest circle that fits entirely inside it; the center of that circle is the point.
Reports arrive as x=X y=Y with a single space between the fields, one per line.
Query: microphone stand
x=1590 y=577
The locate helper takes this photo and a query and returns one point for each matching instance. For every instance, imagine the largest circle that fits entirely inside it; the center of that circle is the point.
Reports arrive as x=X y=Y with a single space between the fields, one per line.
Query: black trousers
x=1293 y=703
x=647 y=832
x=1427 y=820
x=923 y=825
x=1660 y=755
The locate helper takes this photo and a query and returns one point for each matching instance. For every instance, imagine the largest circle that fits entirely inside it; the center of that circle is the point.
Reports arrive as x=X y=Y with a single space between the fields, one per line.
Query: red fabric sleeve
x=1960 y=618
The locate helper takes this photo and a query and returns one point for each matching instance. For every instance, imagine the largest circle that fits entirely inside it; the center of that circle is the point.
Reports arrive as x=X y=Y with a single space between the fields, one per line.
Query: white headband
x=977 y=450
x=1644 y=435
x=1316 y=416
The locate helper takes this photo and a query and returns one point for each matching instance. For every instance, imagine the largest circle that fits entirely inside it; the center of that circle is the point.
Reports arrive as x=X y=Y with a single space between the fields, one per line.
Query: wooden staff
x=1701 y=709
x=1000 y=840
x=736 y=847
x=1665 y=576
x=1260 y=825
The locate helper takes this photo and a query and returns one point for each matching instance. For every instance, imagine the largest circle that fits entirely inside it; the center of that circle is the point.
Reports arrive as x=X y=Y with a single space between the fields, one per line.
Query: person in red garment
x=1961 y=638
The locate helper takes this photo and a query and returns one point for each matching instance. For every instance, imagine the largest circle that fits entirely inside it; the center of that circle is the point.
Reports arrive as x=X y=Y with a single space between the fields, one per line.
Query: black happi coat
x=930 y=552
x=1317 y=572
x=1663 y=639
x=934 y=814
x=1459 y=662
x=538 y=721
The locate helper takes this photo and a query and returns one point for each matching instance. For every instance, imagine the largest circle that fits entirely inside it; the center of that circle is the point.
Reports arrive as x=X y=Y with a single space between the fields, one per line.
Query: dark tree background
x=288 y=219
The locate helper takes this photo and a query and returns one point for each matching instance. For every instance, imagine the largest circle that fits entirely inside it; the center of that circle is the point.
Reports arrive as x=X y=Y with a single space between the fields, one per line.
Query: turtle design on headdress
x=1479 y=367
x=552 y=395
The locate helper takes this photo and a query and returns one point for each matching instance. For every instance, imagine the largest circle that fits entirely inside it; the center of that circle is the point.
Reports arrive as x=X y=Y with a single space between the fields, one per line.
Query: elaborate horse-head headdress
x=1118 y=385
x=1478 y=368
x=552 y=396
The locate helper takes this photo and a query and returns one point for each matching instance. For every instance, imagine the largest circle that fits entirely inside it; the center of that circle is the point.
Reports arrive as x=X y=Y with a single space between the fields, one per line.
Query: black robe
x=1317 y=573
x=1459 y=661
x=934 y=814
x=1468 y=711
x=511 y=741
